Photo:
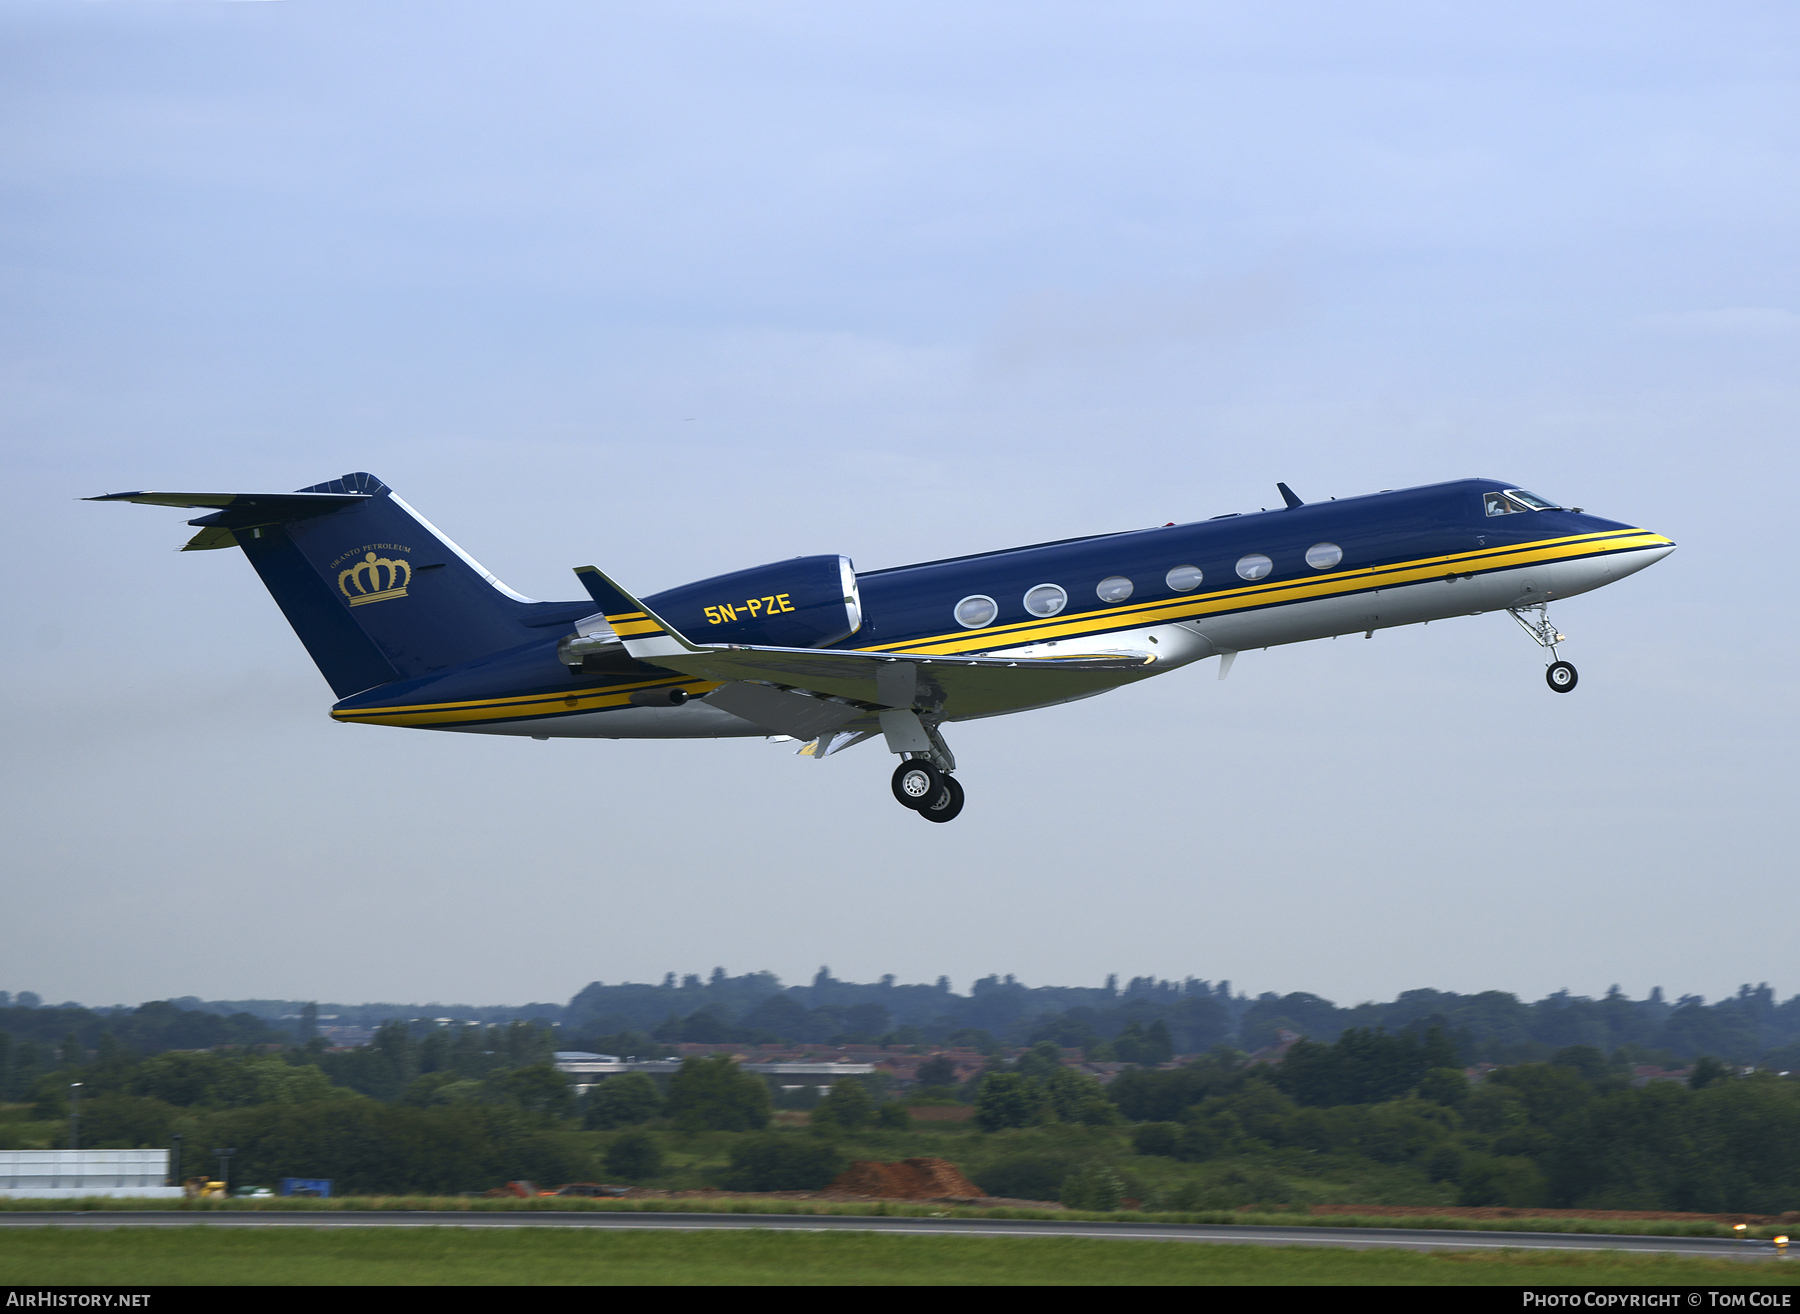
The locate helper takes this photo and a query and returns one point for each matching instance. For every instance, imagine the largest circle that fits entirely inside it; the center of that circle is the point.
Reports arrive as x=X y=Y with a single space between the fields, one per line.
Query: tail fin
x=372 y=588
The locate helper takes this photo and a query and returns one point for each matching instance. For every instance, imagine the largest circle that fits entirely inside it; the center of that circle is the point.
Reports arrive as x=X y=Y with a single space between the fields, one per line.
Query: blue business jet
x=409 y=630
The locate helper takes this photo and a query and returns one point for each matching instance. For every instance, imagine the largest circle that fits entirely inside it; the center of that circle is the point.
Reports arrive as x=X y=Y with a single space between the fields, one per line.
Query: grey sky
x=687 y=287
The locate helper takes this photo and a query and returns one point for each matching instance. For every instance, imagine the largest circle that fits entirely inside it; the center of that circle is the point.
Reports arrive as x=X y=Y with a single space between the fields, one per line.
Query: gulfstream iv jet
x=409 y=630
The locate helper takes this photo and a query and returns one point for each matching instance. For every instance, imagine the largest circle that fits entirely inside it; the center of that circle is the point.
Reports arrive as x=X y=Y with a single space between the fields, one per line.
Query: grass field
x=431 y=1256
x=891 y=1208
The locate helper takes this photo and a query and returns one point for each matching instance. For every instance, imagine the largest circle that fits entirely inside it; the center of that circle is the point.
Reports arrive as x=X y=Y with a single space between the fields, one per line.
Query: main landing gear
x=933 y=794
x=1560 y=675
x=922 y=781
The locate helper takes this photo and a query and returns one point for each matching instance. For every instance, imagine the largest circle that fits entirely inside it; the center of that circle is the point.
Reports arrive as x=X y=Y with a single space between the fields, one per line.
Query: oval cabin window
x=1184 y=579
x=1254 y=566
x=974 y=612
x=1046 y=600
x=1114 y=588
x=1323 y=556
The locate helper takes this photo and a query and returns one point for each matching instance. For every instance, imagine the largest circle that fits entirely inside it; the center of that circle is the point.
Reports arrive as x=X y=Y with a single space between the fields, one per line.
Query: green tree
x=1444 y=1086
x=712 y=1094
x=937 y=1071
x=847 y=1106
x=540 y=1090
x=1706 y=1071
x=622 y=1101
x=1007 y=1100
x=633 y=1155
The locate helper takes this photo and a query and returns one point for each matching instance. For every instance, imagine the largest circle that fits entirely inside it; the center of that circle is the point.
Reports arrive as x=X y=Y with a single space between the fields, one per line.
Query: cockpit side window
x=1498 y=504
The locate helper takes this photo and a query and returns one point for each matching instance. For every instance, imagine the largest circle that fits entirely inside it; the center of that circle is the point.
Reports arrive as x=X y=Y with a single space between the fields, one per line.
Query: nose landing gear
x=1560 y=675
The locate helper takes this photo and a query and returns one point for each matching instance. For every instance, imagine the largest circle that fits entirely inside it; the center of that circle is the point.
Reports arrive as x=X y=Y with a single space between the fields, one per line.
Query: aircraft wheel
x=946 y=803
x=915 y=782
x=1560 y=677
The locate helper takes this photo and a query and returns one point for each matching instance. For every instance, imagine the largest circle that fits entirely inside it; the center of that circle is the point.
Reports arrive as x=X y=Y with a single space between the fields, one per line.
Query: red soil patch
x=1491 y=1211
x=909 y=1179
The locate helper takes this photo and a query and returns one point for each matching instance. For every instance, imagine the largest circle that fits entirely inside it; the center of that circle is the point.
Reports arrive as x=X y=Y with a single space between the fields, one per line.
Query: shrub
x=1157 y=1138
x=848 y=1106
x=893 y=1117
x=1026 y=1176
x=1094 y=1187
x=1501 y=1180
x=633 y=1155
x=782 y=1163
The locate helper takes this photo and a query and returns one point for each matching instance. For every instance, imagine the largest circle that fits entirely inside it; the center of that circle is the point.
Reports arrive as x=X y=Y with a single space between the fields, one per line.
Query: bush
x=1095 y=1187
x=1157 y=1138
x=622 y=1101
x=782 y=1163
x=1026 y=1176
x=893 y=1117
x=1501 y=1180
x=633 y=1155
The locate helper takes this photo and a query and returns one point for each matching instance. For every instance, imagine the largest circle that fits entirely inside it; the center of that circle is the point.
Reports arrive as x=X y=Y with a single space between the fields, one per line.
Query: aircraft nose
x=1630 y=562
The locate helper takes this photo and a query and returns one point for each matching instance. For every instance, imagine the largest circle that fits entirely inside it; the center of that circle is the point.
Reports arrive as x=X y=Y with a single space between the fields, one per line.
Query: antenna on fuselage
x=1287 y=495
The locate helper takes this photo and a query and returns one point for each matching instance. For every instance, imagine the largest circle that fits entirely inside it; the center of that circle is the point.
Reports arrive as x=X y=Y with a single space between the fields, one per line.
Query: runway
x=1348 y=1238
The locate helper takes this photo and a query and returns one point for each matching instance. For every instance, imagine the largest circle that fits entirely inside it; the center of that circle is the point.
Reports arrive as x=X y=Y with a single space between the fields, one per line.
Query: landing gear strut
x=1560 y=675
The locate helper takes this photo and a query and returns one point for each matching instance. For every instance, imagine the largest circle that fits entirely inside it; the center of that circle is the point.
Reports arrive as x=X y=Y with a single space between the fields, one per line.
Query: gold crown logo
x=374 y=579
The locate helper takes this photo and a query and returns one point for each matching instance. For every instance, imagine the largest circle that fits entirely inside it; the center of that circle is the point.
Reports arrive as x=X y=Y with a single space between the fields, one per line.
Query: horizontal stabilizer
x=276 y=504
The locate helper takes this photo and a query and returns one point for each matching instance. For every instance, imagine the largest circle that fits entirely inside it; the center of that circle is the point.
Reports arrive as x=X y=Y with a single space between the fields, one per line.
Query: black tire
x=1561 y=677
x=916 y=782
x=946 y=803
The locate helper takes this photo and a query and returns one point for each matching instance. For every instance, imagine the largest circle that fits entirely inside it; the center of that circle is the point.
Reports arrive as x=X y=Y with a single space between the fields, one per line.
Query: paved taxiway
x=1351 y=1238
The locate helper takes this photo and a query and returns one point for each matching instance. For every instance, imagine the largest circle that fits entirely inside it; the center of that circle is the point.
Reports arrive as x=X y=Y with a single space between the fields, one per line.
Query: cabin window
x=1184 y=579
x=1045 y=600
x=1254 y=566
x=1323 y=556
x=1499 y=504
x=1114 y=588
x=975 y=611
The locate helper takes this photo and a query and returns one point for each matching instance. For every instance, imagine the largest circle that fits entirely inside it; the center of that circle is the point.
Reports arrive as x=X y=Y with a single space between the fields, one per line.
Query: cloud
x=1059 y=327
x=1734 y=320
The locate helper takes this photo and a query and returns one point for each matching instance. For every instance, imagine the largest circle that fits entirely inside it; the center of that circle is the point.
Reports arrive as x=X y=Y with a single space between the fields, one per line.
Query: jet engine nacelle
x=809 y=602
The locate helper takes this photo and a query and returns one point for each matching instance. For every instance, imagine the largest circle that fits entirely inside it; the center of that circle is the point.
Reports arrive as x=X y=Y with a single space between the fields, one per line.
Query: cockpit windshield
x=1515 y=500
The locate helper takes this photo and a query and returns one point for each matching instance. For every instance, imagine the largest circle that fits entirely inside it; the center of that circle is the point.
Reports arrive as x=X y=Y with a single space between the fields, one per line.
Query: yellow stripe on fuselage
x=1254 y=596
x=517 y=708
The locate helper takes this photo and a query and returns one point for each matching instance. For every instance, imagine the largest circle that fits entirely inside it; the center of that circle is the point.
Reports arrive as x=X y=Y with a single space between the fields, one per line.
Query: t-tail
x=373 y=589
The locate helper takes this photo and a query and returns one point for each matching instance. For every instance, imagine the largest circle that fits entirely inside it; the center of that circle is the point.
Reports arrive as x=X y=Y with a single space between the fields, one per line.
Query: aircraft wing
x=948 y=687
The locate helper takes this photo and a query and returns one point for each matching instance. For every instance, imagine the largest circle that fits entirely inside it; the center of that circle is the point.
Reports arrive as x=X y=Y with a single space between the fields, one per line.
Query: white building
x=70 y=1174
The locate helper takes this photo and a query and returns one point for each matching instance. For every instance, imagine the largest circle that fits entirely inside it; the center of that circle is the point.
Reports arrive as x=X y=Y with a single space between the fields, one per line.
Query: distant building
x=72 y=1174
